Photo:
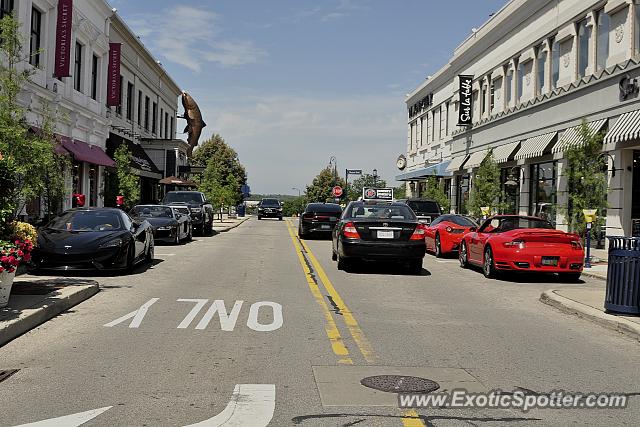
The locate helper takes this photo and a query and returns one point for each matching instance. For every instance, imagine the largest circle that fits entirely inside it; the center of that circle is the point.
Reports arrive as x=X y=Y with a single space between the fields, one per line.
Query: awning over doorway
x=433 y=170
x=84 y=152
x=456 y=163
x=572 y=137
x=475 y=159
x=626 y=128
x=504 y=153
x=172 y=180
x=535 y=146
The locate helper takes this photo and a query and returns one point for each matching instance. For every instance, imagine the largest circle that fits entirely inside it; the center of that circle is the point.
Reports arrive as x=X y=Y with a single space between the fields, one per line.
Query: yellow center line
x=337 y=345
x=411 y=418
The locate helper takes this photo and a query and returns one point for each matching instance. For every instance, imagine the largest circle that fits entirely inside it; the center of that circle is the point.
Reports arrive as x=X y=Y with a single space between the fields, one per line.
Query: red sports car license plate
x=550 y=261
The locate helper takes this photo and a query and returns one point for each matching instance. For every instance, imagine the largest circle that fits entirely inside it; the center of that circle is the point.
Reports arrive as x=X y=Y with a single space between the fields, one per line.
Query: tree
x=435 y=191
x=294 y=206
x=586 y=180
x=220 y=189
x=400 y=192
x=320 y=188
x=366 y=180
x=127 y=183
x=486 y=189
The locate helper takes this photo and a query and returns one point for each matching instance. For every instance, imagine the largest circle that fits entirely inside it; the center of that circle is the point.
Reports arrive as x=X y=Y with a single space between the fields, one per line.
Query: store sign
x=465 y=107
x=113 y=82
x=377 y=193
x=63 y=38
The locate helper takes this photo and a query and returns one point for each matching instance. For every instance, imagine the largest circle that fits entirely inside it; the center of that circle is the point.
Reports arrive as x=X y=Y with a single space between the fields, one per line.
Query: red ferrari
x=445 y=233
x=522 y=243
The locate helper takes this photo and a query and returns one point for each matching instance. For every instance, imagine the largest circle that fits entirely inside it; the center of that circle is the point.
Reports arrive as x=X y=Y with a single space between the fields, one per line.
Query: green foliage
x=586 y=180
x=400 y=192
x=435 y=191
x=486 y=189
x=294 y=206
x=366 y=180
x=320 y=188
x=127 y=183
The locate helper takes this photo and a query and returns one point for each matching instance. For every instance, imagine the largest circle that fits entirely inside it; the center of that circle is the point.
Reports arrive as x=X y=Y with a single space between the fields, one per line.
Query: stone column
x=562 y=196
x=525 y=179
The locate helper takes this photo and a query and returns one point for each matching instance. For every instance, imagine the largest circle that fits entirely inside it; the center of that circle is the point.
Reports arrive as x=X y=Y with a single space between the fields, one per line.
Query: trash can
x=623 y=276
x=241 y=211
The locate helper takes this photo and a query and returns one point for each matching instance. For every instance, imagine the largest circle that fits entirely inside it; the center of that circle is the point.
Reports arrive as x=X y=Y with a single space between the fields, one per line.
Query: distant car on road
x=318 y=218
x=379 y=231
x=93 y=238
x=201 y=210
x=270 y=208
x=171 y=224
x=425 y=210
x=444 y=234
x=522 y=244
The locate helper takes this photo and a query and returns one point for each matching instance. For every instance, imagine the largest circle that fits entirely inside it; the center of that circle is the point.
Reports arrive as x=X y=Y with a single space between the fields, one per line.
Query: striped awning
x=573 y=138
x=475 y=159
x=504 y=153
x=456 y=163
x=626 y=128
x=535 y=146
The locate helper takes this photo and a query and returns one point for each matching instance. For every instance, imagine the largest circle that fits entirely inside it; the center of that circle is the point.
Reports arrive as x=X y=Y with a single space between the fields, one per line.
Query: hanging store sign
x=113 y=82
x=63 y=38
x=465 y=108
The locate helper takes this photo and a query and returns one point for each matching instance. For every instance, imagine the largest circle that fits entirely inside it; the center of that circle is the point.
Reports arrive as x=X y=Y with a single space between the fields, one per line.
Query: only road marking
x=73 y=420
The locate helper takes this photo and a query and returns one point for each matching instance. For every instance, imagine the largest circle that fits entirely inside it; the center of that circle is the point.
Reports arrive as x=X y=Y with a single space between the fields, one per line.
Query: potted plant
x=13 y=252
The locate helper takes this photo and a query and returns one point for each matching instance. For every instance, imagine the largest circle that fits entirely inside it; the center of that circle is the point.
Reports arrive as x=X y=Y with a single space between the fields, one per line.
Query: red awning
x=84 y=152
x=58 y=148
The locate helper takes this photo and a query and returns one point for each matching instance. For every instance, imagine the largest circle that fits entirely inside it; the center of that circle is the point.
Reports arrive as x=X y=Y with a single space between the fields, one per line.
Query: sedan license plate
x=382 y=234
x=550 y=261
x=325 y=227
x=333 y=219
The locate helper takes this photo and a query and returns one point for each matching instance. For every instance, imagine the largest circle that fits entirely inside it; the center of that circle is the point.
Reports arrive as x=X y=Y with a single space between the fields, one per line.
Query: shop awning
x=475 y=159
x=433 y=170
x=504 y=153
x=626 y=128
x=456 y=163
x=57 y=148
x=572 y=137
x=535 y=146
x=84 y=152
x=141 y=162
x=172 y=180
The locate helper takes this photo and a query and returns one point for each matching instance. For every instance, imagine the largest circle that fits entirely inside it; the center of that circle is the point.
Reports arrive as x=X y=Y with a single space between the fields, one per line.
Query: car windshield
x=361 y=211
x=270 y=203
x=461 y=221
x=183 y=197
x=502 y=224
x=152 y=212
x=87 y=221
x=424 y=206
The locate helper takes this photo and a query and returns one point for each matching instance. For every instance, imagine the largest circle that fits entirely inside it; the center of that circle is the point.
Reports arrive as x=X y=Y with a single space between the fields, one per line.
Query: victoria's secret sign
x=63 y=38
x=464 y=111
x=113 y=83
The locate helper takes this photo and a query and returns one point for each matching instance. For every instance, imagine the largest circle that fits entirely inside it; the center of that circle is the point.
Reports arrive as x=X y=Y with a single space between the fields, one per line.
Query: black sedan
x=318 y=218
x=170 y=224
x=379 y=231
x=93 y=238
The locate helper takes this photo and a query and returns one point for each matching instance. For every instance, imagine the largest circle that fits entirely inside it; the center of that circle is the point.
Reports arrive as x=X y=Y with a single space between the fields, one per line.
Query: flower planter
x=6 y=281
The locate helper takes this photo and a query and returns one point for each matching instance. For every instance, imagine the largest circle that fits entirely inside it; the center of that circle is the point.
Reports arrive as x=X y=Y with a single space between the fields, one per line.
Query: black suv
x=201 y=210
x=270 y=208
x=425 y=210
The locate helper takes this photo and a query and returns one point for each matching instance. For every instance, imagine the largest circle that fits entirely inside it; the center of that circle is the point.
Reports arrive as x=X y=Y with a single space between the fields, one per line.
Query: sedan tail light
x=576 y=244
x=308 y=216
x=418 y=233
x=349 y=231
x=516 y=244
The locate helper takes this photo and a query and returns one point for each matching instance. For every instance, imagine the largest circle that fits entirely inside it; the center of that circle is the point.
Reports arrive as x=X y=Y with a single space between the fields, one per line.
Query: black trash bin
x=623 y=276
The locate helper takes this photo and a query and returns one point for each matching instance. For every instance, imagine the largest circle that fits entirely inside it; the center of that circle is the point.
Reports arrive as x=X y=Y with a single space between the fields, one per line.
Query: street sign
x=337 y=191
x=377 y=193
x=354 y=171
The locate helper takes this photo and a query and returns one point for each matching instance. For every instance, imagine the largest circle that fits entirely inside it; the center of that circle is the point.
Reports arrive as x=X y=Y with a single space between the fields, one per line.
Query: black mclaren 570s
x=93 y=238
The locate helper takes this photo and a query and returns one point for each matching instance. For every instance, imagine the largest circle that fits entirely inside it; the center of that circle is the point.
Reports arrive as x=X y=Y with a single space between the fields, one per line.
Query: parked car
x=522 y=244
x=318 y=218
x=270 y=208
x=170 y=224
x=93 y=238
x=444 y=234
x=201 y=210
x=378 y=231
x=425 y=210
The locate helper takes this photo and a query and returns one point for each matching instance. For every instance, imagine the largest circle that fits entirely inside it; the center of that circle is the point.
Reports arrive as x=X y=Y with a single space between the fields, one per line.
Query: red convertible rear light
x=418 y=233
x=516 y=244
x=576 y=244
x=349 y=231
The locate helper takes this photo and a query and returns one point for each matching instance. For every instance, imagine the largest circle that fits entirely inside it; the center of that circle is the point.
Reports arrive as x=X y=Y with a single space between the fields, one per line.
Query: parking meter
x=589 y=217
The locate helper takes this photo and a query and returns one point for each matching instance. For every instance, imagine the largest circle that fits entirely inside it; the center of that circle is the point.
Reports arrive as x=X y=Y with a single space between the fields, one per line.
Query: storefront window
x=93 y=185
x=543 y=191
x=77 y=177
x=447 y=188
x=510 y=181
x=463 y=194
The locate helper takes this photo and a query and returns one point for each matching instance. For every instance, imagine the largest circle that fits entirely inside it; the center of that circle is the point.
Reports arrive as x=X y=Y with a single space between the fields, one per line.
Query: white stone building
x=540 y=68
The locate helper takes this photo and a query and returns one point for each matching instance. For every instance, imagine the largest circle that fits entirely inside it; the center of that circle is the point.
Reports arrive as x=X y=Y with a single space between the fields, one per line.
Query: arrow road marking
x=250 y=405
x=73 y=420
x=137 y=315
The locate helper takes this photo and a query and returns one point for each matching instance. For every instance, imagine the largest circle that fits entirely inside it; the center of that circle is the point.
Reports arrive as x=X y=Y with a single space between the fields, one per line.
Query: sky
x=291 y=83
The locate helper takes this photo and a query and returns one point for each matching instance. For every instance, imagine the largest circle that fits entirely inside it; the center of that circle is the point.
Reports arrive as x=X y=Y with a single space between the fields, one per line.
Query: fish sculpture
x=193 y=116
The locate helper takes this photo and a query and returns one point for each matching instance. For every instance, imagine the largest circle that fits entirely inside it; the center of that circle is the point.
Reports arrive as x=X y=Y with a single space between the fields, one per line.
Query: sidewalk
x=598 y=268
x=228 y=223
x=34 y=300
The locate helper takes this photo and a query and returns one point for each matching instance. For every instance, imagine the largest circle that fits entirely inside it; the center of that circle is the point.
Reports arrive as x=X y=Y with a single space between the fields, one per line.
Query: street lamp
x=375 y=177
x=294 y=188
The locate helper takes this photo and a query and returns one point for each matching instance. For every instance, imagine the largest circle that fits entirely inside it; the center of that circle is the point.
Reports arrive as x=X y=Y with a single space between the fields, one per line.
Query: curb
x=594 y=275
x=569 y=306
x=233 y=226
x=52 y=306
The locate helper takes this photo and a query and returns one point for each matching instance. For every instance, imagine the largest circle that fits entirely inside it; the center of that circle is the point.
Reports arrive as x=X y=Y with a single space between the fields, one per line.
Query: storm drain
x=400 y=384
x=7 y=373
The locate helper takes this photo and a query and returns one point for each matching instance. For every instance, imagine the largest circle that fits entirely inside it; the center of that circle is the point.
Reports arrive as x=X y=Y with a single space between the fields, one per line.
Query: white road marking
x=137 y=315
x=227 y=321
x=193 y=313
x=252 y=321
x=73 y=420
x=157 y=254
x=250 y=405
x=449 y=261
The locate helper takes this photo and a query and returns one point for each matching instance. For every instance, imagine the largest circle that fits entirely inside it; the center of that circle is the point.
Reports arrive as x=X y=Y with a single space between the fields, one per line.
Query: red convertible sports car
x=524 y=244
x=445 y=233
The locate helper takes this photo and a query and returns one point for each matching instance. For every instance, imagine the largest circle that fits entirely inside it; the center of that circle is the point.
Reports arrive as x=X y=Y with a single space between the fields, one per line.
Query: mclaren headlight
x=115 y=243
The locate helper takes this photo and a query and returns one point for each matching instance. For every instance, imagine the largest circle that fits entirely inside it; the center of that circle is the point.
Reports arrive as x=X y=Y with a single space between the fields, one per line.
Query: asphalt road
x=294 y=327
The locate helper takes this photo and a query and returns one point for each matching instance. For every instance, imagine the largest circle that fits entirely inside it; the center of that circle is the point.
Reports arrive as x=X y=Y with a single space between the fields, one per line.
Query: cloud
x=191 y=37
x=340 y=9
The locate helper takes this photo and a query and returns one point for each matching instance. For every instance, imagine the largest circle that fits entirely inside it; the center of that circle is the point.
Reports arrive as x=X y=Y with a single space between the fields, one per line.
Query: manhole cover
x=400 y=384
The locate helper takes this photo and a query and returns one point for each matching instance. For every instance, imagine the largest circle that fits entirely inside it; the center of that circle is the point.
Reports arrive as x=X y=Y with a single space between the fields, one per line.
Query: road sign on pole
x=337 y=191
